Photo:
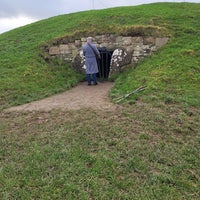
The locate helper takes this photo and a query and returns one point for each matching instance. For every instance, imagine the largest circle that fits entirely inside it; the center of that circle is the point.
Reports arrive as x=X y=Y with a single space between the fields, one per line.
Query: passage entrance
x=104 y=63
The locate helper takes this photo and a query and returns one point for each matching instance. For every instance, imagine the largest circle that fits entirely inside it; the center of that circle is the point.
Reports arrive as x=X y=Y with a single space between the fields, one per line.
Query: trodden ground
x=80 y=96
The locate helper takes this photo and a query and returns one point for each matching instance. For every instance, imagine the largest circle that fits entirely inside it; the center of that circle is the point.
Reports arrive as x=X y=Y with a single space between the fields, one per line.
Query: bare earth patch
x=81 y=96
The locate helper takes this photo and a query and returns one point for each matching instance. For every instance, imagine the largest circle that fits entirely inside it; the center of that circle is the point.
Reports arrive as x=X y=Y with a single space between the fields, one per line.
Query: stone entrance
x=117 y=52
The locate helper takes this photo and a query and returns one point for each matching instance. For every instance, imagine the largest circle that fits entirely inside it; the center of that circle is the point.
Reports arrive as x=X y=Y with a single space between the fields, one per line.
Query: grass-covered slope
x=149 y=150
x=171 y=75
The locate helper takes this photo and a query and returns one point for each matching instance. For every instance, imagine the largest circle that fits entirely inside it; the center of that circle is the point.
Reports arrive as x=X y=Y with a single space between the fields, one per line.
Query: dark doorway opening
x=104 y=63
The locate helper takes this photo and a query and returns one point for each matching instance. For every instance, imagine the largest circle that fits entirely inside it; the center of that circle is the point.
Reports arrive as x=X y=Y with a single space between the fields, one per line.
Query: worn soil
x=80 y=96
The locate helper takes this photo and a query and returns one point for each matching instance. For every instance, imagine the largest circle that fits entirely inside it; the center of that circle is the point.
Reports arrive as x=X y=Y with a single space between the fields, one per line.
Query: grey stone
x=161 y=42
x=126 y=50
x=54 y=51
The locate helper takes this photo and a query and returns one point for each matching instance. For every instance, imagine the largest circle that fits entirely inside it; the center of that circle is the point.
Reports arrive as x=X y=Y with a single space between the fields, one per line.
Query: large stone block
x=127 y=41
x=137 y=40
x=118 y=39
x=54 y=51
x=65 y=49
x=83 y=39
x=120 y=57
x=161 y=42
x=149 y=40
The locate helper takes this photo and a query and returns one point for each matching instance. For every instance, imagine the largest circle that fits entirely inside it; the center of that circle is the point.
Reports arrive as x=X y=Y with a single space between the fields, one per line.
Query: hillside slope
x=171 y=75
x=146 y=148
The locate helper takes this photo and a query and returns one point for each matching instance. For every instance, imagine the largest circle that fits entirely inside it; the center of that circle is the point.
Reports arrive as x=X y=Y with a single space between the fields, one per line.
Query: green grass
x=25 y=76
x=134 y=153
x=169 y=76
x=146 y=149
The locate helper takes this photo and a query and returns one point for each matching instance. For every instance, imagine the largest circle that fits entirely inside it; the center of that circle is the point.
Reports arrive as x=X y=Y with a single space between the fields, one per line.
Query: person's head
x=89 y=39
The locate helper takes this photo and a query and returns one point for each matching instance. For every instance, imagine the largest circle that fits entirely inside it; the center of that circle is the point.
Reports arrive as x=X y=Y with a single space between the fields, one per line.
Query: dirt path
x=81 y=96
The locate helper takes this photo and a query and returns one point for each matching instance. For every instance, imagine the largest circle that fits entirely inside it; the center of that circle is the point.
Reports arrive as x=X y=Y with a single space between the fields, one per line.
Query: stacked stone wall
x=126 y=50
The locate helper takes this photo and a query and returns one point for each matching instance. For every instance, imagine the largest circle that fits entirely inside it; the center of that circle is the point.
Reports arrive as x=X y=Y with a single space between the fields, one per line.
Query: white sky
x=16 y=13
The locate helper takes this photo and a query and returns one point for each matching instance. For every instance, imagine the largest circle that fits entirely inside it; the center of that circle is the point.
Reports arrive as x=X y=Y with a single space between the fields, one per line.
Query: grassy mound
x=171 y=74
x=145 y=151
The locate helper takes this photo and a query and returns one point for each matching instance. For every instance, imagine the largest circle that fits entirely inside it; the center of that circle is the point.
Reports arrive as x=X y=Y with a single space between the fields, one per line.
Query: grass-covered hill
x=148 y=148
x=171 y=75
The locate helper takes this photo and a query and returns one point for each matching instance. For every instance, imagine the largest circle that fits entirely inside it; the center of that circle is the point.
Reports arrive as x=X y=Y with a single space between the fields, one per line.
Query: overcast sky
x=15 y=13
